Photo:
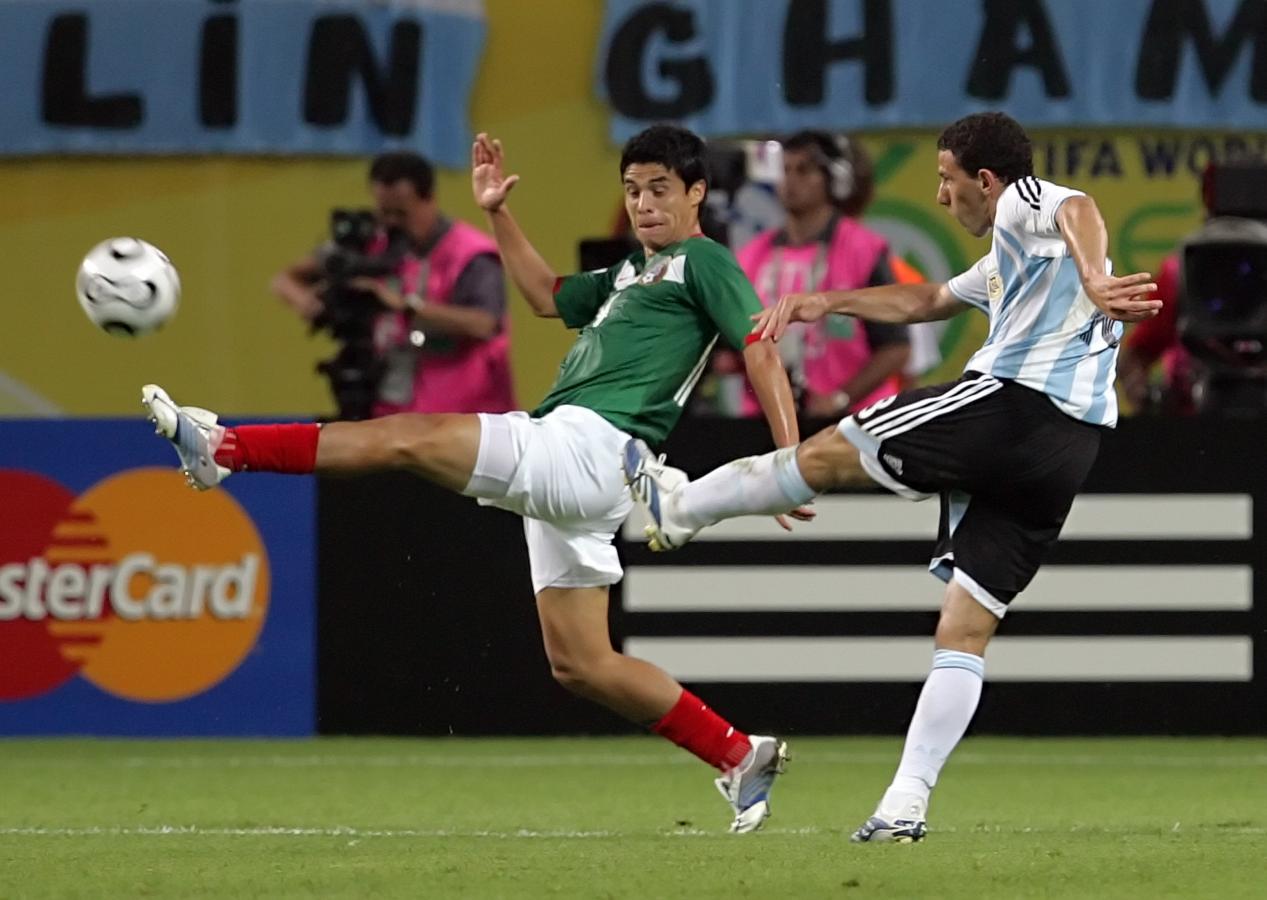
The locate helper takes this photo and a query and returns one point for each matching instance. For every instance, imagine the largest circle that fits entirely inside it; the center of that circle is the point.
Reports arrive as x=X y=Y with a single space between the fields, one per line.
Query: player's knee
x=963 y=642
x=964 y=635
x=573 y=675
x=588 y=674
x=827 y=460
x=814 y=465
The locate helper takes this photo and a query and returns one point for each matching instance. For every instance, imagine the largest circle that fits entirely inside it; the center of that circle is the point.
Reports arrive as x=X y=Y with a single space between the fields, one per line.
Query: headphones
x=836 y=156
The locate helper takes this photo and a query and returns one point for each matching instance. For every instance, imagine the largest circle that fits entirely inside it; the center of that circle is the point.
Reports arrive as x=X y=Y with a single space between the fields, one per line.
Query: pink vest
x=454 y=374
x=835 y=348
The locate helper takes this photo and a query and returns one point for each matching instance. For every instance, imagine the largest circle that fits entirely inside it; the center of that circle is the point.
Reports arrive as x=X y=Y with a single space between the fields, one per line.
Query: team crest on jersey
x=994 y=287
x=655 y=271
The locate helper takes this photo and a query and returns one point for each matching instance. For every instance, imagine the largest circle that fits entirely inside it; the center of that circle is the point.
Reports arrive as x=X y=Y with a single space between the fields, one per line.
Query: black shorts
x=1005 y=461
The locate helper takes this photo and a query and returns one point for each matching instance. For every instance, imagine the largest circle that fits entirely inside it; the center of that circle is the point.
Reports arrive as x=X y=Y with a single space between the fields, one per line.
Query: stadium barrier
x=1150 y=616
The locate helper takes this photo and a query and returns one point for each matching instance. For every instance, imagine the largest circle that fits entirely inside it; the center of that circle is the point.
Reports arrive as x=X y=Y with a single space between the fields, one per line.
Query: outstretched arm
x=888 y=303
x=1128 y=298
x=531 y=274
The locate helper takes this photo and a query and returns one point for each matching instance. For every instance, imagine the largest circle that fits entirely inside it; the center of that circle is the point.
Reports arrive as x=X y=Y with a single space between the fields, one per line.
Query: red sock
x=693 y=726
x=269 y=448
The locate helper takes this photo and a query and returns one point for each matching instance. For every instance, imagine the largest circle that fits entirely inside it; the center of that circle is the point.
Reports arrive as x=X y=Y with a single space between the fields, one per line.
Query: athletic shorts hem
x=596 y=580
x=992 y=604
x=868 y=453
x=943 y=568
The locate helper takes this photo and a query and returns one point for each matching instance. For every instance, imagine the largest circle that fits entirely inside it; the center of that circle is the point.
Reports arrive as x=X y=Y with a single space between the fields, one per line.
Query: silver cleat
x=747 y=786
x=653 y=485
x=194 y=433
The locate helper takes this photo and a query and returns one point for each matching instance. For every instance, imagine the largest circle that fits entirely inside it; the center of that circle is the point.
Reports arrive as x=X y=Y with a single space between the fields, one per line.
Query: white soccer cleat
x=654 y=487
x=905 y=824
x=747 y=786
x=193 y=432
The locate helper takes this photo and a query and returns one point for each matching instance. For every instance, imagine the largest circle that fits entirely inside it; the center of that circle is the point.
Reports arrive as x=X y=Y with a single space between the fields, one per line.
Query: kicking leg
x=755 y=485
x=946 y=706
x=440 y=448
x=582 y=659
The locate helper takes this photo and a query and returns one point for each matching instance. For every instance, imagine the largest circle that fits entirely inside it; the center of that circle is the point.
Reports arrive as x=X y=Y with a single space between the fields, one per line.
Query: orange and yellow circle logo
x=150 y=592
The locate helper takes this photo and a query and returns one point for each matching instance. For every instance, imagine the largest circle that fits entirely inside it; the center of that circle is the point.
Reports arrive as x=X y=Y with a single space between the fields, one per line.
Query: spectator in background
x=442 y=333
x=839 y=363
x=1156 y=341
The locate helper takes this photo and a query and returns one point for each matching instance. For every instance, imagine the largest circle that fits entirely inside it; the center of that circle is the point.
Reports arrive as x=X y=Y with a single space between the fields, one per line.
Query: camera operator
x=840 y=363
x=417 y=303
x=1210 y=334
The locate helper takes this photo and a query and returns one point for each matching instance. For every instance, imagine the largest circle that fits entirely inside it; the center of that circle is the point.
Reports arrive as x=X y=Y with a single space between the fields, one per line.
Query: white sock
x=755 y=485
x=946 y=706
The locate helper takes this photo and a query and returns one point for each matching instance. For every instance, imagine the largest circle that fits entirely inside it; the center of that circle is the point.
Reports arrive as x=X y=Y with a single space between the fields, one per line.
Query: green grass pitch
x=624 y=817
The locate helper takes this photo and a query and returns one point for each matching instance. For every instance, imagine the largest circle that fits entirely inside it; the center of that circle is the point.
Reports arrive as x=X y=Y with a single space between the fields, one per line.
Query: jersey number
x=605 y=310
x=874 y=408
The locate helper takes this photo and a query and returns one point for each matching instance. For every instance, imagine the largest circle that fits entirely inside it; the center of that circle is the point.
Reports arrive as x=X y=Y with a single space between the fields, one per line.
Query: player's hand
x=801 y=514
x=773 y=321
x=1129 y=298
x=489 y=182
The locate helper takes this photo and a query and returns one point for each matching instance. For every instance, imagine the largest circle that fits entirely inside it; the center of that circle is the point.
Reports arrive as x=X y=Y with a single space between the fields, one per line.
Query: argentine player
x=647 y=327
x=1006 y=447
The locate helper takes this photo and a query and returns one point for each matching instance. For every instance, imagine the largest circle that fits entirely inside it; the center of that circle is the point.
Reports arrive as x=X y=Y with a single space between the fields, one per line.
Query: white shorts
x=563 y=474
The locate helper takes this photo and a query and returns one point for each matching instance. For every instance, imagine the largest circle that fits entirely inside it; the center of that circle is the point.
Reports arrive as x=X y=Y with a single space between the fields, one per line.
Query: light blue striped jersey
x=1045 y=333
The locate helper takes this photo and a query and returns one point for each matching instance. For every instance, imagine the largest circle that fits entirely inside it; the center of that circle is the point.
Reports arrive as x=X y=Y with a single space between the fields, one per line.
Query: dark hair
x=677 y=149
x=832 y=147
x=991 y=140
x=389 y=168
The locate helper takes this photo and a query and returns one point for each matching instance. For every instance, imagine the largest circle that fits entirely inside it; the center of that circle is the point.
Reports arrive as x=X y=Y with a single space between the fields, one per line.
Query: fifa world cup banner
x=132 y=605
x=254 y=76
x=728 y=67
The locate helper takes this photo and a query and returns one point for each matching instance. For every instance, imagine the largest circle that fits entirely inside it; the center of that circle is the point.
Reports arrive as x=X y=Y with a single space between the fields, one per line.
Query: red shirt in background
x=1158 y=339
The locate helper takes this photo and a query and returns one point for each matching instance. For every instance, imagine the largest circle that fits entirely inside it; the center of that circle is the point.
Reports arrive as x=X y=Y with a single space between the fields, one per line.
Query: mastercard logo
x=140 y=586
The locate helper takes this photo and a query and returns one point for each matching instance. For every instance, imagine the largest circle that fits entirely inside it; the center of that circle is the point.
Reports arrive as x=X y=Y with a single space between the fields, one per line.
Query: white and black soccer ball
x=127 y=287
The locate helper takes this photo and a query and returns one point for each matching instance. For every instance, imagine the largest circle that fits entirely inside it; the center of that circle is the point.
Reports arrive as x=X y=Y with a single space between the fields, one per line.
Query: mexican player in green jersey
x=647 y=326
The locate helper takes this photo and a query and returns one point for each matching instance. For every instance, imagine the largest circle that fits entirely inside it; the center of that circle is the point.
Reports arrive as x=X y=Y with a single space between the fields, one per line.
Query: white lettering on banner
x=73 y=592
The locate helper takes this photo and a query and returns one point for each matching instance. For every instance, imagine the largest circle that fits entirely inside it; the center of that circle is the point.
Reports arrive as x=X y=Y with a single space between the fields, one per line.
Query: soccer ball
x=127 y=287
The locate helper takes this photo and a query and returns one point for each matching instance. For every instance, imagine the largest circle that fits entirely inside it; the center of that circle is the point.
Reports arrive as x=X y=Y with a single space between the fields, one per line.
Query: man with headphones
x=838 y=363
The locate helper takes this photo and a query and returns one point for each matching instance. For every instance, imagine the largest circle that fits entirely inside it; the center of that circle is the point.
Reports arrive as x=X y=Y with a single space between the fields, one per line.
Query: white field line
x=343 y=831
x=561 y=760
x=523 y=833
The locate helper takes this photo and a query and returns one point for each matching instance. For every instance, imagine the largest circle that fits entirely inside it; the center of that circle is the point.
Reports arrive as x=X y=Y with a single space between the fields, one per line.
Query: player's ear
x=695 y=193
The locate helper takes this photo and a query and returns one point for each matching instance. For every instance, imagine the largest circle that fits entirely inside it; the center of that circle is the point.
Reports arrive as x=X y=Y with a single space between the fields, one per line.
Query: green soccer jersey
x=647 y=329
